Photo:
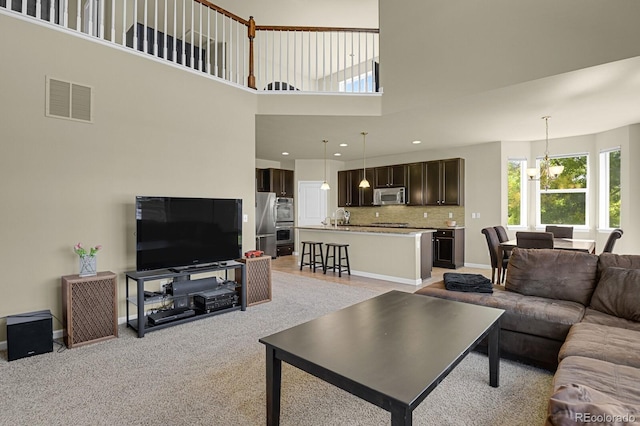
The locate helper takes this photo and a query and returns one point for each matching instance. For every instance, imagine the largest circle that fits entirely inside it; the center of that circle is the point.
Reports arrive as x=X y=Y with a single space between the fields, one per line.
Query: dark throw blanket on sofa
x=467 y=282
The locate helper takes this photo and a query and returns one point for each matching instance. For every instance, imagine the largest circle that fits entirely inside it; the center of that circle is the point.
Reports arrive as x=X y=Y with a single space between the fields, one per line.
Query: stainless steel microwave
x=387 y=196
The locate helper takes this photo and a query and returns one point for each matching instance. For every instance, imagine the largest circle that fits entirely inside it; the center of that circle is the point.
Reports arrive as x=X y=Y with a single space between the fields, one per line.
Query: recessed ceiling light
x=285 y=153
x=416 y=142
x=344 y=144
x=337 y=154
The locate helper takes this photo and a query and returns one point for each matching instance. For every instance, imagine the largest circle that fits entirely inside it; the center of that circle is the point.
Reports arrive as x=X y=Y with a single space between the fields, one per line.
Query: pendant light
x=364 y=183
x=547 y=172
x=325 y=186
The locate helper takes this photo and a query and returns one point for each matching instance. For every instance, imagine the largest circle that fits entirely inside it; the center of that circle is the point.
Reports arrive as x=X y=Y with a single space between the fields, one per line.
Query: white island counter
x=402 y=255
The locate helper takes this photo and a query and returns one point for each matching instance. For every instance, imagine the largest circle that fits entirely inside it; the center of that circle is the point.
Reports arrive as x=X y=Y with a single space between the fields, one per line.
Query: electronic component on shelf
x=214 y=300
x=169 y=315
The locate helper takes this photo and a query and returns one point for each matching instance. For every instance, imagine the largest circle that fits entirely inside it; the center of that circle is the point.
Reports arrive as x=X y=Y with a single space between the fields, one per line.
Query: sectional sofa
x=577 y=314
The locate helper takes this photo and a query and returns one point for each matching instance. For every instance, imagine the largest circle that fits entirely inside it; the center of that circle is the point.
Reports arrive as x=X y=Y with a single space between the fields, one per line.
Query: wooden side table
x=258 y=270
x=89 y=308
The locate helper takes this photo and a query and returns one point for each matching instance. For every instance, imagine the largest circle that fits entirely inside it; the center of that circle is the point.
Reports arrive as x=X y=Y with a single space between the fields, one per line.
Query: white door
x=312 y=203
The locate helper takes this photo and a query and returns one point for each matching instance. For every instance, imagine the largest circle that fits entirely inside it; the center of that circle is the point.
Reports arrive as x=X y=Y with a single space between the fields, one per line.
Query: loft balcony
x=201 y=36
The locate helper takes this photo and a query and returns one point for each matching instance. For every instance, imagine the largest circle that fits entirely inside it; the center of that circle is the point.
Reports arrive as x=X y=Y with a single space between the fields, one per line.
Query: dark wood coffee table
x=391 y=350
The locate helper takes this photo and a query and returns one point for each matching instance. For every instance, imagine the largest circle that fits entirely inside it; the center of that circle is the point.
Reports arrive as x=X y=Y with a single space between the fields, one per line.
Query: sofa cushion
x=619 y=382
x=607 y=260
x=577 y=404
x=618 y=293
x=596 y=317
x=533 y=315
x=554 y=274
x=612 y=344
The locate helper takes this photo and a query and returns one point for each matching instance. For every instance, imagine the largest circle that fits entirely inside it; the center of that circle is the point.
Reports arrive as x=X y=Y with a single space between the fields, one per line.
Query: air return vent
x=68 y=100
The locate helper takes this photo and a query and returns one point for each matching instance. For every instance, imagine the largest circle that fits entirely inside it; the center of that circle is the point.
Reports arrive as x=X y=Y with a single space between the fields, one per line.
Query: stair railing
x=207 y=38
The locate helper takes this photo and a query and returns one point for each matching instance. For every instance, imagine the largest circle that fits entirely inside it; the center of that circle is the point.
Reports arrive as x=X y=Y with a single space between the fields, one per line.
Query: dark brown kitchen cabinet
x=415 y=184
x=262 y=180
x=448 y=248
x=281 y=182
x=445 y=182
x=390 y=176
x=349 y=192
x=366 y=194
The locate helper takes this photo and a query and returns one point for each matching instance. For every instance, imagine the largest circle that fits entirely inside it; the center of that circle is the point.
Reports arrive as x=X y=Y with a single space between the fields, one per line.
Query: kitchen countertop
x=368 y=229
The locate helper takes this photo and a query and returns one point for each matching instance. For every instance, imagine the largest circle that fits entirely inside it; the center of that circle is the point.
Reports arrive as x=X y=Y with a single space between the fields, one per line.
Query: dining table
x=575 y=244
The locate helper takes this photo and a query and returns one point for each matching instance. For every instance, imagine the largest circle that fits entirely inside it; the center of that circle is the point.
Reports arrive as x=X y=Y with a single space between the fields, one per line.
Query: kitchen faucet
x=335 y=215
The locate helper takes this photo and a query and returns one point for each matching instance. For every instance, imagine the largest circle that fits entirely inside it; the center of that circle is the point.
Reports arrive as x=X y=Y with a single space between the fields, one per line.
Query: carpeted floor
x=211 y=372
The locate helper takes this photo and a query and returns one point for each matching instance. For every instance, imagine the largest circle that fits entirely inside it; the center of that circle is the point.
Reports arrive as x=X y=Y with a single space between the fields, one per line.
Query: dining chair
x=495 y=253
x=560 y=231
x=536 y=240
x=614 y=236
x=502 y=233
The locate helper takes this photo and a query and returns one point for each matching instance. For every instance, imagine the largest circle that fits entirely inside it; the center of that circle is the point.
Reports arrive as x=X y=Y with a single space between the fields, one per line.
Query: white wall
x=157 y=130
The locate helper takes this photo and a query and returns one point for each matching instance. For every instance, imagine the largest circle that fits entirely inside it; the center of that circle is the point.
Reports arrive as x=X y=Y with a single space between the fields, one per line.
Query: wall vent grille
x=68 y=100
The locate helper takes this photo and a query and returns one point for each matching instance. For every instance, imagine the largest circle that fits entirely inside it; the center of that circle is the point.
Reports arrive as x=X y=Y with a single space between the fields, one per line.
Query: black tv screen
x=174 y=232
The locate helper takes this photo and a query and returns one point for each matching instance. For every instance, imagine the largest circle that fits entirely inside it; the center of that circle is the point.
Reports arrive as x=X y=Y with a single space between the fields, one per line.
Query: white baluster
x=208 y=40
x=215 y=59
x=38 y=9
x=166 y=30
x=200 y=39
x=155 y=27
x=193 y=62
x=174 y=48
x=135 y=24
x=124 y=23
x=101 y=20
x=78 y=16
x=113 y=21
x=224 y=45
x=184 y=53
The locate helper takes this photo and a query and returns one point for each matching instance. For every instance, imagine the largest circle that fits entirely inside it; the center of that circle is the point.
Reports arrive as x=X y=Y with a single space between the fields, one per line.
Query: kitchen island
x=402 y=255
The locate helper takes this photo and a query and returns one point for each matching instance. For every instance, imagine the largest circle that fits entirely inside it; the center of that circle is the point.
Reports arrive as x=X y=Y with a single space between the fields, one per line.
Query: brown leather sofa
x=577 y=314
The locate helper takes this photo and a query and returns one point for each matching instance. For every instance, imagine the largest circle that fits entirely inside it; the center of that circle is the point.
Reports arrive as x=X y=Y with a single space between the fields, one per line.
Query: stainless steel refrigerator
x=266 y=223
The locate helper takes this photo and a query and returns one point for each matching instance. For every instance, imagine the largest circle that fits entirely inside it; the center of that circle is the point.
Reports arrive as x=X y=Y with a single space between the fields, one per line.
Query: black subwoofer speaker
x=29 y=334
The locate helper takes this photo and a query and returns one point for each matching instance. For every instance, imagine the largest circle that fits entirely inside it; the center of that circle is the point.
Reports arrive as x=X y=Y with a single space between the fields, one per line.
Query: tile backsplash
x=436 y=216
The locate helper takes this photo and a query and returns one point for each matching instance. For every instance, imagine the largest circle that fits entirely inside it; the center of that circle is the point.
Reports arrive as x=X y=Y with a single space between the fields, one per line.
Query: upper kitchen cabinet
x=415 y=184
x=281 y=182
x=445 y=182
x=390 y=176
x=349 y=192
x=366 y=194
x=262 y=180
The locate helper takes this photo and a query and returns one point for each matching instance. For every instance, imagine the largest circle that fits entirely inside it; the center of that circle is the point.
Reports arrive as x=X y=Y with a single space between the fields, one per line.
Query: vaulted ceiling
x=459 y=72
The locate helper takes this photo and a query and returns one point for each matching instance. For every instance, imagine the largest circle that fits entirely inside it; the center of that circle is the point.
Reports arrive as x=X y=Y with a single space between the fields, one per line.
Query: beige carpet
x=211 y=372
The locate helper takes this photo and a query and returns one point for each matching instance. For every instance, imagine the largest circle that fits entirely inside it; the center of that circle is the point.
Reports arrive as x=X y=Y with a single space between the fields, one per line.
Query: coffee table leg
x=494 y=355
x=401 y=416
x=274 y=380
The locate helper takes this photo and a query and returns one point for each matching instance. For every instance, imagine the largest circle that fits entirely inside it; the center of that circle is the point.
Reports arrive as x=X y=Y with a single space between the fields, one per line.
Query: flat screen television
x=179 y=233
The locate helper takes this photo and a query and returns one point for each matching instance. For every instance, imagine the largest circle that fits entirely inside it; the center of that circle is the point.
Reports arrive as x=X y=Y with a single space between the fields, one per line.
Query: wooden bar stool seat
x=340 y=266
x=313 y=251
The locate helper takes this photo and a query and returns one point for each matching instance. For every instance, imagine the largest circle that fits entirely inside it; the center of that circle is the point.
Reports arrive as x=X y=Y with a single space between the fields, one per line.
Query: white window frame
x=538 y=192
x=604 y=187
x=524 y=194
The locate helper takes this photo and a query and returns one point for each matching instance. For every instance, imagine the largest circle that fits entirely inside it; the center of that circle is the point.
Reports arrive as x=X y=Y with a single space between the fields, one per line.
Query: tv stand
x=140 y=321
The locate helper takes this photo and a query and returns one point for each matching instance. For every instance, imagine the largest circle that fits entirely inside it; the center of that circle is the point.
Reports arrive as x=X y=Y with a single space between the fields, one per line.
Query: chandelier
x=547 y=172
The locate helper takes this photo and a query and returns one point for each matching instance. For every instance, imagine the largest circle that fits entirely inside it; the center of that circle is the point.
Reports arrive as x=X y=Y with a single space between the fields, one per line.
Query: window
x=609 y=205
x=517 y=192
x=565 y=202
x=359 y=83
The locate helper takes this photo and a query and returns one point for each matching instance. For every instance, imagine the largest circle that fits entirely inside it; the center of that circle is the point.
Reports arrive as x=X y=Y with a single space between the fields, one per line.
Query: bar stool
x=340 y=258
x=312 y=249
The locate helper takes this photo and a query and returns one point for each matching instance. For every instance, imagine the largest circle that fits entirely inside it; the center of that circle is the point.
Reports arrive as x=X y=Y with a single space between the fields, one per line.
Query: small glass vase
x=87 y=266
